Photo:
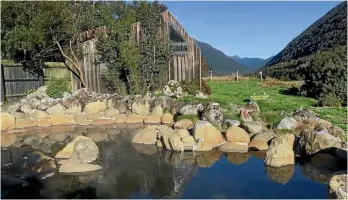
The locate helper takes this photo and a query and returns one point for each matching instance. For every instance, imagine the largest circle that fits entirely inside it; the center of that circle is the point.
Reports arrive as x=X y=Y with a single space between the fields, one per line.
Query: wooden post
x=237 y=75
x=41 y=76
x=2 y=86
x=261 y=75
x=211 y=75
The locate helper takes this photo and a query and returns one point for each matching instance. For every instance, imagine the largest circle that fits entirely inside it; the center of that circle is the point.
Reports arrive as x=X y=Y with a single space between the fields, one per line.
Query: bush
x=56 y=87
x=192 y=86
x=205 y=88
x=330 y=100
x=326 y=78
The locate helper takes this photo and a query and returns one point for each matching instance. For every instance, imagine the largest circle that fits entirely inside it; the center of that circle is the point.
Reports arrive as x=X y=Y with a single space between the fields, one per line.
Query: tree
x=33 y=31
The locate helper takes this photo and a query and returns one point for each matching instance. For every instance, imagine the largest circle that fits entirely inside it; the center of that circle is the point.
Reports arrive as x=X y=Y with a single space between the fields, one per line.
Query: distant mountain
x=218 y=61
x=329 y=32
x=252 y=63
x=319 y=57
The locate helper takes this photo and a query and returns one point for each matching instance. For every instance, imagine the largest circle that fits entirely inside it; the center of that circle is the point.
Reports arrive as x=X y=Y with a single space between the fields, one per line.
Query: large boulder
x=312 y=142
x=287 y=123
x=191 y=109
x=75 y=107
x=152 y=119
x=57 y=109
x=236 y=134
x=84 y=150
x=34 y=102
x=61 y=120
x=167 y=118
x=206 y=133
x=146 y=136
x=26 y=108
x=8 y=139
x=279 y=153
x=230 y=122
x=173 y=89
x=24 y=123
x=163 y=101
x=260 y=140
x=14 y=107
x=213 y=114
x=134 y=119
x=252 y=127
x=234 y=147
x=337 y=132
x=337 y=188
x=183 y=124
x=68 y=150
x=253 y=106
x=305 y=114
x=245 y=115
x=175 y=142
x=39 y=114
x=95 y=107
x=141 y=107
x=32 y=165
x=111 y=112
x=157 y=111
x=7 y=121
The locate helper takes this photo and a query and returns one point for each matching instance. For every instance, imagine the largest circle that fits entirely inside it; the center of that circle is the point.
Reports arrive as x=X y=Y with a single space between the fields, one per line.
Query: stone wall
x=84 y=107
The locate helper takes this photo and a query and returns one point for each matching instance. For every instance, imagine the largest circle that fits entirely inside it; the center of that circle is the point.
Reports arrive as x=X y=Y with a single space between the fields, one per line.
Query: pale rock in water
x=279 y=153
x=207 y=134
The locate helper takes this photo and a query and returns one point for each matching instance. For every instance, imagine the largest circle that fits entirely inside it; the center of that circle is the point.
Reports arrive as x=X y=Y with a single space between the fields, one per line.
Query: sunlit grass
x=226 y=93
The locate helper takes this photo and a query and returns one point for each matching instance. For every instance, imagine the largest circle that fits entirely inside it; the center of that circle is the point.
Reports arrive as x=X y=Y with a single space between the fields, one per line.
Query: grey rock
x=163 y=101
x=305 y=113
x=14 y=107
x=287 y=123
x=213 y=114
x=252 y=127
x=26 y=108
x=57 y=109
x=34 y=102
x=192 y=109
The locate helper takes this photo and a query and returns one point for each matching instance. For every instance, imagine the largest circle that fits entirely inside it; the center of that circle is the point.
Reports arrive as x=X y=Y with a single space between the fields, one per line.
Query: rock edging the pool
x=85 y=107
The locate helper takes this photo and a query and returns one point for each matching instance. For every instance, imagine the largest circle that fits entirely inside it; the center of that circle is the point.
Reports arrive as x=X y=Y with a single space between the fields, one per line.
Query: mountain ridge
x=219 y=61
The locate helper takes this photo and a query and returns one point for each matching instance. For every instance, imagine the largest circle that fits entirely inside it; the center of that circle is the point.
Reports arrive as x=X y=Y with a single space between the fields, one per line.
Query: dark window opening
x=177 y=42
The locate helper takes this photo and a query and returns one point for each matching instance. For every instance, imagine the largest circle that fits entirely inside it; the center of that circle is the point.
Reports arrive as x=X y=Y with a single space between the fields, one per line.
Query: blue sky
x=247 y=29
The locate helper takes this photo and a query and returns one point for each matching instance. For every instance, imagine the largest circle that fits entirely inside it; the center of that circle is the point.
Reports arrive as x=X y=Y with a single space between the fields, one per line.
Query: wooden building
x=185 y=62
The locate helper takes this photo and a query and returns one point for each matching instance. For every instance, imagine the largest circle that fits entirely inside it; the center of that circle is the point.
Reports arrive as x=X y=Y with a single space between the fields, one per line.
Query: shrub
x=326 y=78
x=56 y=87
x=192 y=86
x=205 y=88
x=330 y=100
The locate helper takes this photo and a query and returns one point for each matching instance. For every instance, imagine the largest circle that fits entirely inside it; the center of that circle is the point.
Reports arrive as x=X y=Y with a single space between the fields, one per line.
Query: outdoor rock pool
x=143 y=171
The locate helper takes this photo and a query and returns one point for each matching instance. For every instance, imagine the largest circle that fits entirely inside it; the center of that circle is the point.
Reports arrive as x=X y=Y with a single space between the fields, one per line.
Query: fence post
x=211 y=75
x=237 y=75
x=2 y=86
x=41 y=76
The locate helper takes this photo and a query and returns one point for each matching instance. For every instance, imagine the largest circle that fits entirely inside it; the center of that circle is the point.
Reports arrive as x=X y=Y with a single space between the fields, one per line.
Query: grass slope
x=238 y=92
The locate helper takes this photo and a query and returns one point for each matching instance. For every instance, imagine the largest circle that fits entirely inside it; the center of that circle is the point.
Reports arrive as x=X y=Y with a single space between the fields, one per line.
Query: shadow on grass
x=293 y=91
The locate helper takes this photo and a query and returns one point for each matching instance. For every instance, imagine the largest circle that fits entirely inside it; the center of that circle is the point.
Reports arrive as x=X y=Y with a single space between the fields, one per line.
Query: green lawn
x=238 y=93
